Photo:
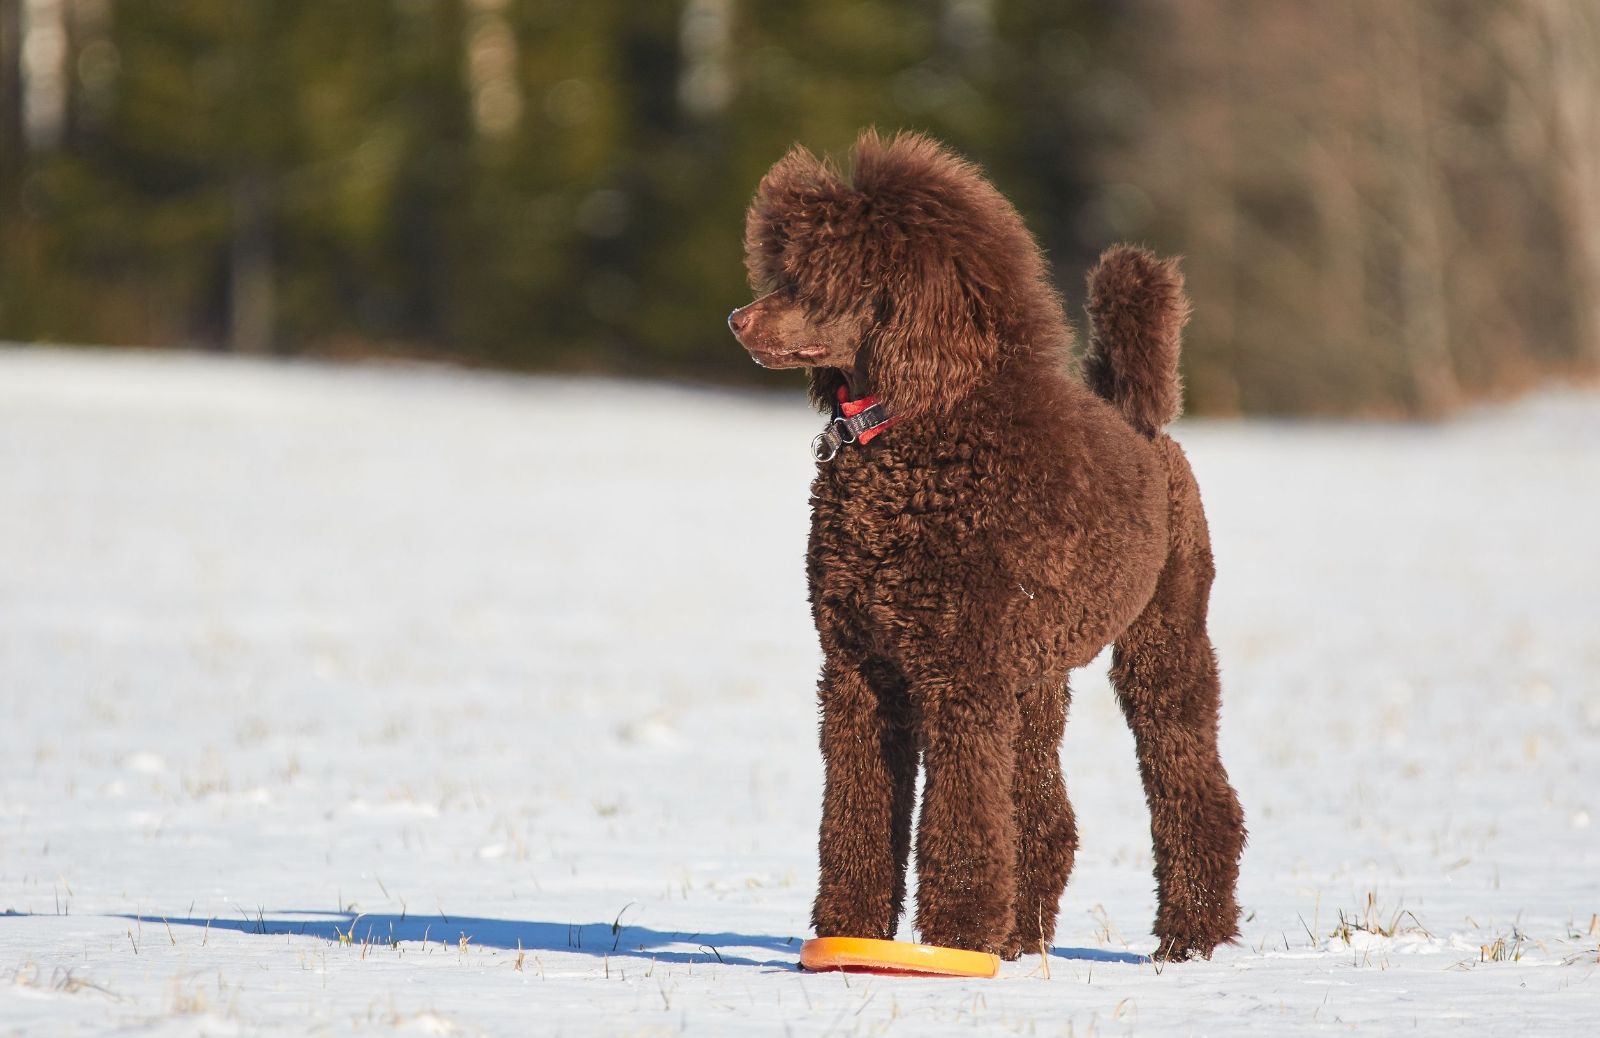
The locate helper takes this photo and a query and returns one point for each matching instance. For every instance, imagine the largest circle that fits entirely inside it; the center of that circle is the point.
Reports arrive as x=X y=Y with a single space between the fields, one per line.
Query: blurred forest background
x=1386 y=207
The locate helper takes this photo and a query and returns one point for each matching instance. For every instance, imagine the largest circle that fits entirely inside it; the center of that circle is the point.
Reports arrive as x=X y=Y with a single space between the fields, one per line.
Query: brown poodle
x=983 y=521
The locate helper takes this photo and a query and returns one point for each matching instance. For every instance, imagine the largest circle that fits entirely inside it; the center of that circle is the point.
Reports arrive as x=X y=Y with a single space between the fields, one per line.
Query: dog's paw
x=1187 y=947
x=838 y=916
x=968 y=941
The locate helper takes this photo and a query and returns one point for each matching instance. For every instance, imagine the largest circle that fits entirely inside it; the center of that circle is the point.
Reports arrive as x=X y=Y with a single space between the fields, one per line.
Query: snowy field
x=393 y=699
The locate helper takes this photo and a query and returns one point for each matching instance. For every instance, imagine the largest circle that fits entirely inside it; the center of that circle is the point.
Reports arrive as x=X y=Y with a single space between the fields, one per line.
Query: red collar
x=854 y=421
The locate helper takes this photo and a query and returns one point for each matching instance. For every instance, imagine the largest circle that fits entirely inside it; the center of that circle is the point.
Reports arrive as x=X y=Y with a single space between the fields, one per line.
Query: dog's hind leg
x=966 y=840
x=1047 y=832
x=1165 y=674
x=869 y=756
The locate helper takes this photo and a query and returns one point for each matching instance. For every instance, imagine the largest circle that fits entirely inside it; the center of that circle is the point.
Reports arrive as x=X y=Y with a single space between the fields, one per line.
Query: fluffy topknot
x=919 y=239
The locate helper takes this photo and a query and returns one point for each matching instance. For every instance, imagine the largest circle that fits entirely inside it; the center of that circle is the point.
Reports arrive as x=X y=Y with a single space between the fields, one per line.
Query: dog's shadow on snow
x=612 y=940
x=1100 y=955
x=601 y=940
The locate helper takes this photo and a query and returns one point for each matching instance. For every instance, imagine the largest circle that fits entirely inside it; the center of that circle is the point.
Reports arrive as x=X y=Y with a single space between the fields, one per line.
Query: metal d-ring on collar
x=841 y=430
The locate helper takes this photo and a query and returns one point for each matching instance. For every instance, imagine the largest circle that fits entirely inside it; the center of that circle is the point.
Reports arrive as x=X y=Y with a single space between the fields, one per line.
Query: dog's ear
x=796 y=197
x=934 y=338
x=932 y=344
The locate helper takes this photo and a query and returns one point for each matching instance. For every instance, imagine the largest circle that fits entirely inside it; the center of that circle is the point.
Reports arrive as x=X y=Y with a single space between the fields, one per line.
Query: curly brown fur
x=1010 y=525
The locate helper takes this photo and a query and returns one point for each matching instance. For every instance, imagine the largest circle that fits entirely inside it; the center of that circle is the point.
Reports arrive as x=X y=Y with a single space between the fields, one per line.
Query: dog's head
x=909 y=270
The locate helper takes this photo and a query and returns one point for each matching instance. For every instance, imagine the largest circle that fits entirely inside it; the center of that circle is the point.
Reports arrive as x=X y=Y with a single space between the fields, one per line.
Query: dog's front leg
x=967 y=837
x=870 y=763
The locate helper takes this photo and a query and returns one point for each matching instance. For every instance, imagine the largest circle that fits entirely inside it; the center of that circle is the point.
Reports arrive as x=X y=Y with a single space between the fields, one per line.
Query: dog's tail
x=1137 y=308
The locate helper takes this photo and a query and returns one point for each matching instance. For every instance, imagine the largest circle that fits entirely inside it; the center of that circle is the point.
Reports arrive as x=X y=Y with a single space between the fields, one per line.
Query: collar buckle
x=826 y=443
x=846 y=427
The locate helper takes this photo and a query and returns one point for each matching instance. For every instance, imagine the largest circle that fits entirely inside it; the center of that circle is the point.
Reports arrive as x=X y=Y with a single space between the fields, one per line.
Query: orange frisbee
x=865 y=953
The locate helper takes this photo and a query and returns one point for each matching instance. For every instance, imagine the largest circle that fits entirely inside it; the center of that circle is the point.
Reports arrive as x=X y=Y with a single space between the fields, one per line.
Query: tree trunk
x=12 y=154
x=250 y=288
x=1421 y=208
x=1572 y=34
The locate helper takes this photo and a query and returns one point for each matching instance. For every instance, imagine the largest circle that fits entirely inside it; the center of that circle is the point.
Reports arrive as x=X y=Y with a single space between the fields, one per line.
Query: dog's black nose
x=737 y=320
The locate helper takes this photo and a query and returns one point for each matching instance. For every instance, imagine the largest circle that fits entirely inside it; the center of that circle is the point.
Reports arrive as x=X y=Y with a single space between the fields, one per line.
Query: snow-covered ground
x=393 y=698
